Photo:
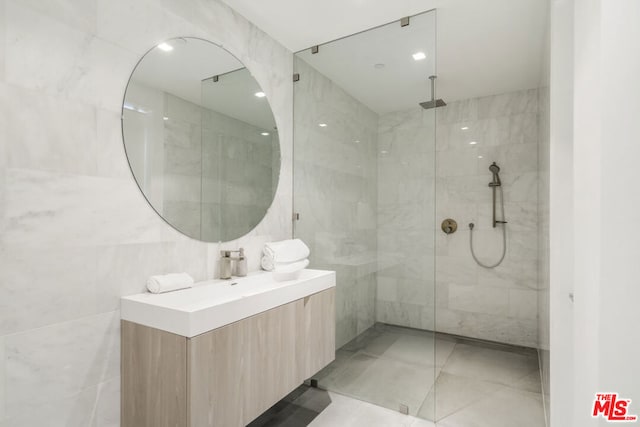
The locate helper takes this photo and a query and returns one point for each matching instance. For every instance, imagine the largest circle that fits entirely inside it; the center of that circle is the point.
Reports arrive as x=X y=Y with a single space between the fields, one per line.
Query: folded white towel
x=289 y=271
x=286 y=251
x=169 y=282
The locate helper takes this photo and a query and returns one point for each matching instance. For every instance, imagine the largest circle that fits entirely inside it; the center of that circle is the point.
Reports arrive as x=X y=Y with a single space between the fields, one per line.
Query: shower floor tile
x=477 y=384
x=505 y=408
x=381 y=381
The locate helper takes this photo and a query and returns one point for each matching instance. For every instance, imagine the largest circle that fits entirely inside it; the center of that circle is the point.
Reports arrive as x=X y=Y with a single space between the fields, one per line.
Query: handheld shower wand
x=494 y=184
x=495 y=170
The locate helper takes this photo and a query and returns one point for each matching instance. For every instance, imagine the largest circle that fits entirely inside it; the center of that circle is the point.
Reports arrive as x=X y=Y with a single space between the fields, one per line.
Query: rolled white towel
x=286 y=251
x=290 y=271
x=267 y=263
x=169 y=282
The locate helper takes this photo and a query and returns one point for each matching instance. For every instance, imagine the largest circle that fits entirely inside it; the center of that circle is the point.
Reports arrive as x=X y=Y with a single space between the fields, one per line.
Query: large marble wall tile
x=123 y=270
x=48 y=209
x=118 y=21
x=523 y=303
x=520 y=187
x=508 y=104
x=95 y=406
x=365 y=302
x=81 y=67
x=523 y=128
x=456 y=268
x=504 y=329
x=478 y=299
x=522 y=216
x=107 y=404
x=387 y=288
x=399 y=313
x=42 y=286
x=457 y=162
x=78 y=14
x=43 y=132
x=110 y=153
x=57 y=362
x=458 y=112
x=520 y=274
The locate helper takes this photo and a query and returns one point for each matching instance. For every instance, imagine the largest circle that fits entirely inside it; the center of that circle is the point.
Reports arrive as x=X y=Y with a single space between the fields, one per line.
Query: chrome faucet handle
x=227 y=253
x=226 y=267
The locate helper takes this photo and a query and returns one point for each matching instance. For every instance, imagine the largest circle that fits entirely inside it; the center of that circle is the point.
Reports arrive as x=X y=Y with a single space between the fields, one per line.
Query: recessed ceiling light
x=384 y=152
x=165 y=46
x=357 y=141
x=322 y=125
x=265 y=134
x=419 y=56
x=473 y=143
x=464 y=127
x=260 y=94
x=165 y=118
x=479 y=157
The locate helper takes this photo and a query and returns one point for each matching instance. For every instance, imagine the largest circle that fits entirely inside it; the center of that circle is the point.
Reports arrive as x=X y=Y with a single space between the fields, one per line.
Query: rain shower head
x=434 y=103
x=494 y=168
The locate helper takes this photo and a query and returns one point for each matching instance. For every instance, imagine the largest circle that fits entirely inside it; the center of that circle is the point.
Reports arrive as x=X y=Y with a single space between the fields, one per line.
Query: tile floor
x=319 y=408
x=478 y=384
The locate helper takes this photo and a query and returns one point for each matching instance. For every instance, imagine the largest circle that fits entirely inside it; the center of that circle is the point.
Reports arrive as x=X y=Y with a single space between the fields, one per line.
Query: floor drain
x=404 y=409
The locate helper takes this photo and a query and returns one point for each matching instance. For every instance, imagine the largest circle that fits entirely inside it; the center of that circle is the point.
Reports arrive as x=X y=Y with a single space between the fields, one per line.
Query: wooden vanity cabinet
x=228 y=376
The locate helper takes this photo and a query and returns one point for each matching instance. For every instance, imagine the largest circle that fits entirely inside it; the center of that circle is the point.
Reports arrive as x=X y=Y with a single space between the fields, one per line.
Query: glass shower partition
x=364 y=190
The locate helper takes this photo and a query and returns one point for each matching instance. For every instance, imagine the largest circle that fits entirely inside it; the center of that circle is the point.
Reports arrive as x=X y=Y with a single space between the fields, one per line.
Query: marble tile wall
x=494 y=304
x=336 y=193
x=75 y=231
x=406 y=200
x=469 y=300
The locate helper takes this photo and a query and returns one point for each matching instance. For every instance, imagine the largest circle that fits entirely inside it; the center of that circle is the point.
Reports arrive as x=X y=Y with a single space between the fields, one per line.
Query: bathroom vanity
x=224 y=351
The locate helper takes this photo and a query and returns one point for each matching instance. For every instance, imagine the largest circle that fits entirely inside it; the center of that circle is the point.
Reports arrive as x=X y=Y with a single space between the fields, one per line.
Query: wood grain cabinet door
x=271 y=351
x=154 y=377
x=319 y=333
x=216 y=377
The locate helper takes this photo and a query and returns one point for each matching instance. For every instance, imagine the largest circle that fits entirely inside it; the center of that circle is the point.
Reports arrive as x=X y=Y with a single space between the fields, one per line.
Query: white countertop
x=215 y=303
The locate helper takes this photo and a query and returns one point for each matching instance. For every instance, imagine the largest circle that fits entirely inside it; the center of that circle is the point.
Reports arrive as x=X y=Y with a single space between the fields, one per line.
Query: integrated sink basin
x=215 y=303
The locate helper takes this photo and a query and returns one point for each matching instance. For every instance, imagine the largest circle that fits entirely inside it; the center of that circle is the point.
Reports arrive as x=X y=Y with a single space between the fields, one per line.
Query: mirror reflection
x=201 y=139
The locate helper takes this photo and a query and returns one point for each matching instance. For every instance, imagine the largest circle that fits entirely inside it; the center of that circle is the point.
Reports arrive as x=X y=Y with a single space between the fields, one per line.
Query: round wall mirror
x=201 y=139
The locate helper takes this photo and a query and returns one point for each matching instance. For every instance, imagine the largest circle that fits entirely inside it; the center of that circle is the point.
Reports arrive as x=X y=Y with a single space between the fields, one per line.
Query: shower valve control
x=449 y=226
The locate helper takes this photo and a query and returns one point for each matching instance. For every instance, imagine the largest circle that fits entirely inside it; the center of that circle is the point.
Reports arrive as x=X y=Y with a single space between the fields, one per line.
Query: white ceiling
x=180 y=72
x=401 y=83
x=484 y=47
